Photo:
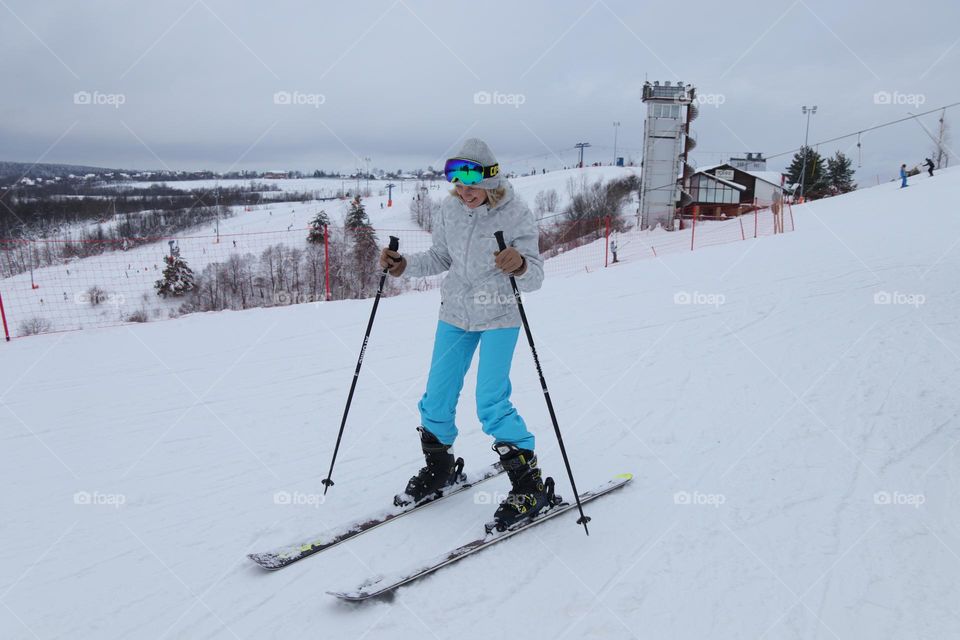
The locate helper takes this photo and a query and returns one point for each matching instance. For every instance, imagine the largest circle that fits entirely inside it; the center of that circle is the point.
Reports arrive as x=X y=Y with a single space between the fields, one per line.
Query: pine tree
x=177 y=277
x=840 y=173
x=357 y=217
x=365 y=250
x=318 y=227
x=816 y=184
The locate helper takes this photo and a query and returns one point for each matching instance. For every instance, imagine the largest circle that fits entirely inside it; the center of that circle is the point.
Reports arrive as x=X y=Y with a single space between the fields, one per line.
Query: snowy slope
x=398 y=216
x=792 y=430
x=128 y=277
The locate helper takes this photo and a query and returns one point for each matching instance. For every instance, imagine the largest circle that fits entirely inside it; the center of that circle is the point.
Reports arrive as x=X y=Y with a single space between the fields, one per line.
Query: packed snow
x=787 y=406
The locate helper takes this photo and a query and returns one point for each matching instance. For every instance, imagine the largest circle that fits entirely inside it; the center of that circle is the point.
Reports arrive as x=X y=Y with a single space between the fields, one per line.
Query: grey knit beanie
x=477 y=150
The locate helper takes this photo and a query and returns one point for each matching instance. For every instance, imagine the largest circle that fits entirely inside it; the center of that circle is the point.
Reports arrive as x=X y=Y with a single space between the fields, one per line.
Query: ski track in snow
x=776 y=440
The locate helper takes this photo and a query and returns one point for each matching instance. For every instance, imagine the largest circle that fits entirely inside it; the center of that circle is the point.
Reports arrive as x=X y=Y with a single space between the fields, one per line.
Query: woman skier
x=477 y=307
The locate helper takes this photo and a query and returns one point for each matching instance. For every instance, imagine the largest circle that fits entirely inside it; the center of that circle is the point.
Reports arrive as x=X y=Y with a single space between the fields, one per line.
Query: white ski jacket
x=475 y=294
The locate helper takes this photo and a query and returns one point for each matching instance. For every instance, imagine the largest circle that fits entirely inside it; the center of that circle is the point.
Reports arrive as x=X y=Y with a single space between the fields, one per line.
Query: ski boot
x=529 y=494
x=441 y=471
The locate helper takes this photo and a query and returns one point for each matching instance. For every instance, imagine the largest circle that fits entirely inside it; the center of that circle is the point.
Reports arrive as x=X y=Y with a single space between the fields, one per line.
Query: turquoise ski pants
x=452 y=353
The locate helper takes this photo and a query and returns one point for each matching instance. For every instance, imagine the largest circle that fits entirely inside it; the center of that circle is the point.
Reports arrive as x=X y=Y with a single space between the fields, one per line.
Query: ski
x=286 y=555
x=380 y=585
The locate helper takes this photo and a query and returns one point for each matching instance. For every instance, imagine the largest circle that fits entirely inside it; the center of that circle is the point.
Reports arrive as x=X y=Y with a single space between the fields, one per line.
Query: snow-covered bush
x=33 y=326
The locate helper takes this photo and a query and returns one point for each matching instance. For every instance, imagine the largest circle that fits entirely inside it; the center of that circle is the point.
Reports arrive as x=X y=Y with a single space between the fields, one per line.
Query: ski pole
x=327 y=482
x=584 y=519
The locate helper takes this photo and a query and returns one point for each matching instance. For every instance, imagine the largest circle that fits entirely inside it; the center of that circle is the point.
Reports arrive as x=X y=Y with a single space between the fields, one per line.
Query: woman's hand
x=393 y=262
x=510 y=261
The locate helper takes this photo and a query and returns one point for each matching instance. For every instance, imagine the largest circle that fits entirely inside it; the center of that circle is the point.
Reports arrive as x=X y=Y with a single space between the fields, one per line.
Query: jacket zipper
x=466 y=256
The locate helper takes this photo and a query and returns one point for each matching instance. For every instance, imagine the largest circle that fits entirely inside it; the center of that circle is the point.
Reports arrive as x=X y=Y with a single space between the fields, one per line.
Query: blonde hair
x=494 y=196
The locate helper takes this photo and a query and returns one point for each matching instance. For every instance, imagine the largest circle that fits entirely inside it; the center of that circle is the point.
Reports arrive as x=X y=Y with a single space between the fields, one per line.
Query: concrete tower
x=666 y=141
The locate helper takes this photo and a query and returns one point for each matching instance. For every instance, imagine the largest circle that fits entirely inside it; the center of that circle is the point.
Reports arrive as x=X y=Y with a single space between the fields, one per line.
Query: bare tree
x=546 y=202
x=941 y=146
x=423 y=208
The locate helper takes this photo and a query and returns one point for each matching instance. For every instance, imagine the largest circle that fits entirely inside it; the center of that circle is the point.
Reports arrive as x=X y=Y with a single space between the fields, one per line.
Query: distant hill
x=42 y=170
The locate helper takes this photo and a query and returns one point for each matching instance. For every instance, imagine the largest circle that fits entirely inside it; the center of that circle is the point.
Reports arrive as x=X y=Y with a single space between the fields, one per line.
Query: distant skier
x=613 y=249
x=929 y=165
x=903 y=176
x=477 y=306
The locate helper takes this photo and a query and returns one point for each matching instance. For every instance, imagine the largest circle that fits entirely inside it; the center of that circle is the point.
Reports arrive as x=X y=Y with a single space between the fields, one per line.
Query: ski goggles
x=468 y=171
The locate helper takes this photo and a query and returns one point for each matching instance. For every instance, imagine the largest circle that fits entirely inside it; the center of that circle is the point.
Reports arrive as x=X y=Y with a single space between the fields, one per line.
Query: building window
x=659 y=110
x=707 y=190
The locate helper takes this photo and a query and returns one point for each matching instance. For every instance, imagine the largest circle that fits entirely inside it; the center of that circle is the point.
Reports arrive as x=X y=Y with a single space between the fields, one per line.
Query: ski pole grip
x=500 y=242
x=394 y=243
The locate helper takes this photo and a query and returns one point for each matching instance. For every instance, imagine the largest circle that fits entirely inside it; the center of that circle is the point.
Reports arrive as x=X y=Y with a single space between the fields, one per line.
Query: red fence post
x=3 y=315
x=793 y=227
x=743 y=236
x=326 y=262
x=606 y=236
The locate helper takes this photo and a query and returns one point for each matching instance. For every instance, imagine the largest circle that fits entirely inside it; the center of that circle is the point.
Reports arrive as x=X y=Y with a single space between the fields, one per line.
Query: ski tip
x=351 y=596
x=623 y=476
x=264 y=562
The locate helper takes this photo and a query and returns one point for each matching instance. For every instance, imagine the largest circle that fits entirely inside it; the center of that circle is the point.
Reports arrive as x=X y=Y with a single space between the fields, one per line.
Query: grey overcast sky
x=190 y=84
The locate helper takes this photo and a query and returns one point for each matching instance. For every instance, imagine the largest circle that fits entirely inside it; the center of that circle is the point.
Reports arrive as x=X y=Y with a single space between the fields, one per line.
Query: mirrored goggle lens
x=463 y=171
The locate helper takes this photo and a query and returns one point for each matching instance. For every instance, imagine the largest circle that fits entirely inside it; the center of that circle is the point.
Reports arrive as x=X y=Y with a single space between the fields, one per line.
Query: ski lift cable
x=857 y=133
